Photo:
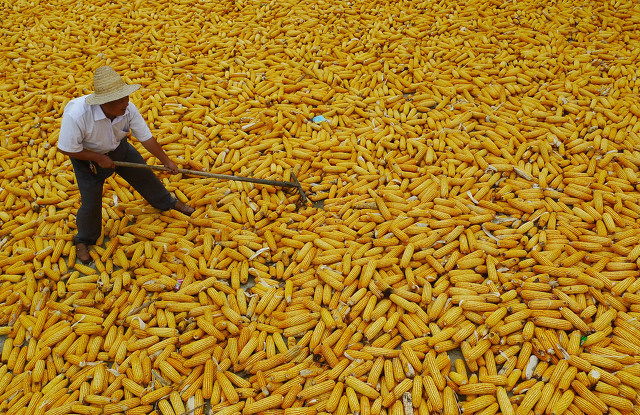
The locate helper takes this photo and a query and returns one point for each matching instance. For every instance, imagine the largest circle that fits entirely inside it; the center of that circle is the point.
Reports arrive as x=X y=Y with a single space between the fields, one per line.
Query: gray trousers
x=89 y=216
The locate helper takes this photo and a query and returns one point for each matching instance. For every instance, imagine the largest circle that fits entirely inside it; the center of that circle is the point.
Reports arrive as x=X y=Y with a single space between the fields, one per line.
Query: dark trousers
x=89 y=216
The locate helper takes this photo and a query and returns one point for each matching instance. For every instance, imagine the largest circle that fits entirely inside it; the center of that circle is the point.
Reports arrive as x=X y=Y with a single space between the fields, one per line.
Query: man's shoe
x=82 y=253
x=184 y=208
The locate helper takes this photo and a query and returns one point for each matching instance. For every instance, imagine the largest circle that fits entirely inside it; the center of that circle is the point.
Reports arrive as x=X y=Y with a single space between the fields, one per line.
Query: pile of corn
x=478 y=165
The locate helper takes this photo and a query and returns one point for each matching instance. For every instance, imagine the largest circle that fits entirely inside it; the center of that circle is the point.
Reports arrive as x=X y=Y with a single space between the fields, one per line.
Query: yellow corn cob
x=227 y=388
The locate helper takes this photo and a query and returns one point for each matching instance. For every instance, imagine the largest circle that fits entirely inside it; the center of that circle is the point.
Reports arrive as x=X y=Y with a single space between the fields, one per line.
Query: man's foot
x=184 y=208
x=82 y=253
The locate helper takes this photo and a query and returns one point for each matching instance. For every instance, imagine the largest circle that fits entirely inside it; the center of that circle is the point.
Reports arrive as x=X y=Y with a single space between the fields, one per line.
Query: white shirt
x=85 y=127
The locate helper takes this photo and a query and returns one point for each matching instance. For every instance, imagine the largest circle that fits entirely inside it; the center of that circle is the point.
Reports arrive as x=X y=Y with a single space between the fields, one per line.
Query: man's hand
x=105 y=162
x=154 y=148
x=101 y=160
x=171 y=166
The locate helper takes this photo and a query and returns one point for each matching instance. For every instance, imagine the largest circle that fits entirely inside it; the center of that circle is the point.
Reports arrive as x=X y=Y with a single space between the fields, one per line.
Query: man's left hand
x=171 y=166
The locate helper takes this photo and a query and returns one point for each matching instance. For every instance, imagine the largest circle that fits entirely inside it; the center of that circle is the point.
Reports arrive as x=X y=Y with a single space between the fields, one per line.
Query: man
x=93 y=134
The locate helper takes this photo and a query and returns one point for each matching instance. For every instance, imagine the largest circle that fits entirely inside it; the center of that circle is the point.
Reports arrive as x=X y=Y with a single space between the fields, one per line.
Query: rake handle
x=293 y=184
x=209 y=175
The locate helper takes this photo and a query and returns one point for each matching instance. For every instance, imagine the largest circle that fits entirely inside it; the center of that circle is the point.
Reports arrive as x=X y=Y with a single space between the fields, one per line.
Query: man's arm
x=70 y=141
x=154 y=148
x=141 y=131
x=103 y=160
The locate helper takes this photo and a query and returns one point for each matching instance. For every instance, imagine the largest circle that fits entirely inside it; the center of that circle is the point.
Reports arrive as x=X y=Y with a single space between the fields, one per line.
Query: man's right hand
x=101 y=160
x=105 y=162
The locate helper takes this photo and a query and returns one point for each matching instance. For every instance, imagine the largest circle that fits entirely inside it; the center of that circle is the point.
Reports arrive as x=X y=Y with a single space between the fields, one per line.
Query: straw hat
x=109 y=86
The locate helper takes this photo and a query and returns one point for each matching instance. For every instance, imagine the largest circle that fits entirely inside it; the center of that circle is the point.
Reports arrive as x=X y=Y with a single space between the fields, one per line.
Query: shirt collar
x=98 y=114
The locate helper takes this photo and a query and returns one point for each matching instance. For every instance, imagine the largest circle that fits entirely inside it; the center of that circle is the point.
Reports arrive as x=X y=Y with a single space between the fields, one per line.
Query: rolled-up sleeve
x=70 y=139
x=138 y=126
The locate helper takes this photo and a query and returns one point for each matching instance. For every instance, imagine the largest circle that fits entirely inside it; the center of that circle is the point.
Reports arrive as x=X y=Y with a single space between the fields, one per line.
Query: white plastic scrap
x=522 y=174
x=531 y=366
x=113 y=371
x=263 y=283
x=410 y=371
x=489 y=234
x=407 y=403
x=142 y=324
x=191 y=404
x=501 y=219
x=323 y=266
x=84 y=364
x=258 y=253
x=565 y=354
x=159 y=378
x=79 y=320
